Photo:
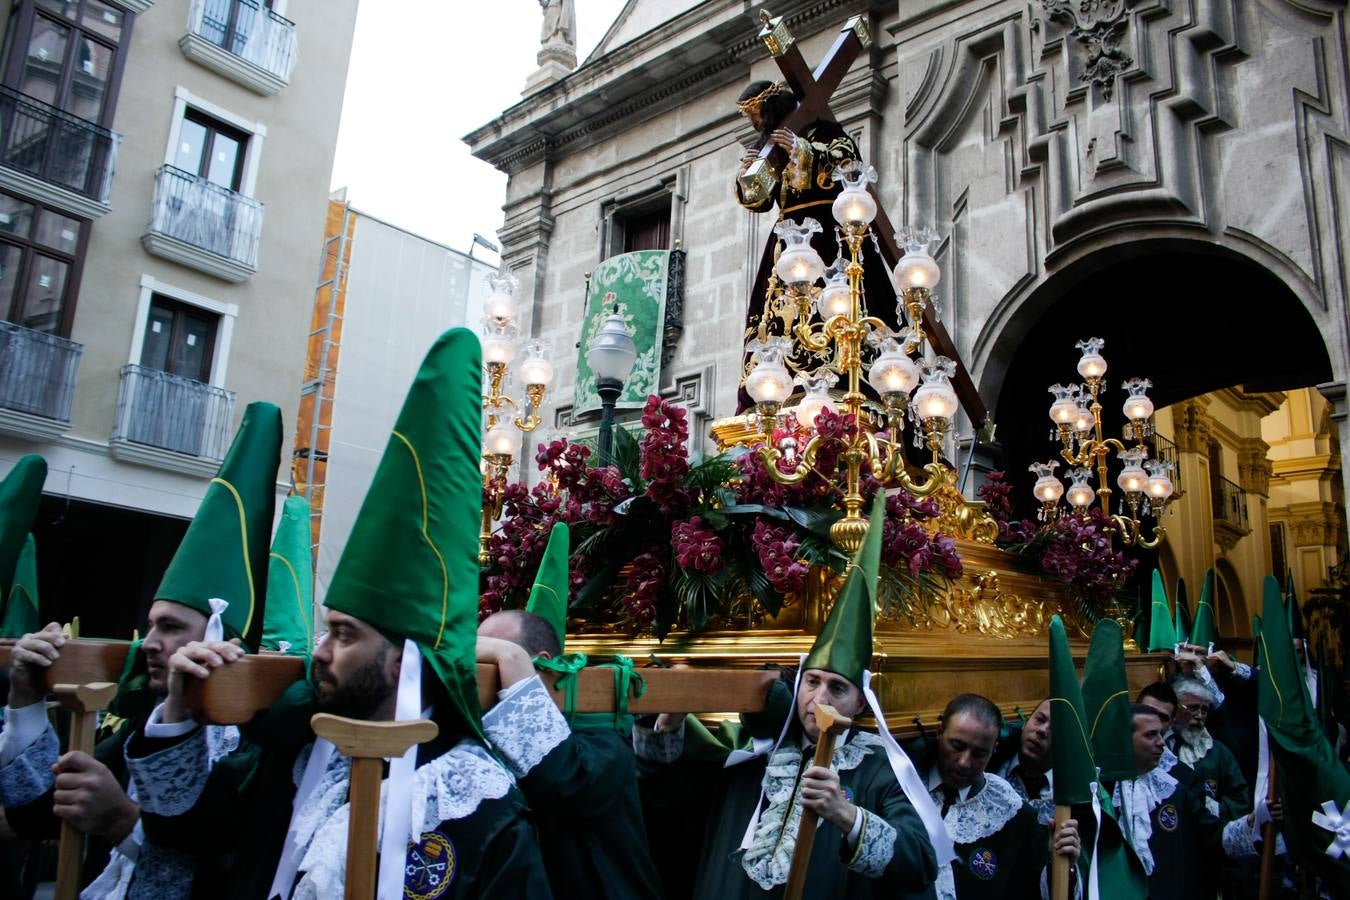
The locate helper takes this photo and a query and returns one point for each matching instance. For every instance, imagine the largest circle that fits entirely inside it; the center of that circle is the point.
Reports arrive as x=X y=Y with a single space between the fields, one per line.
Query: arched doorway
x=1194 y=317
x=1230 y=606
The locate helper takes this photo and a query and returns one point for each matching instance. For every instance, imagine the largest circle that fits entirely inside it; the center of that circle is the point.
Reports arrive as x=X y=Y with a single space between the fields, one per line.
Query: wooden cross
x=830 y=724
x=84 y=701
x=813 y=90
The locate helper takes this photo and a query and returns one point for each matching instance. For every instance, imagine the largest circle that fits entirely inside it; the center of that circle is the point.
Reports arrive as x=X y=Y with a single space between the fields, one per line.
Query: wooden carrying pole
x=1059 y=864
x=1268 y=837
x=84 y=701
x=830 y=723
x=367 y=744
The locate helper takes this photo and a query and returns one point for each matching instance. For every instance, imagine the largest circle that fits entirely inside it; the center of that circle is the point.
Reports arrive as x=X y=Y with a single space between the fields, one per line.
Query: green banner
x=637 y=283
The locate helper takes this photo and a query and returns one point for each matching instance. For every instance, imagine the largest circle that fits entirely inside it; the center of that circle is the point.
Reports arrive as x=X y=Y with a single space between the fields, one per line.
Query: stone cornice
x=660 y=69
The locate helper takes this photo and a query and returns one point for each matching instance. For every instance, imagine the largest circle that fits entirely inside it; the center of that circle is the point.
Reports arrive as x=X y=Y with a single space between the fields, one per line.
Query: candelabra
x=1077 y=414
x=506 y=423
x=827 y=334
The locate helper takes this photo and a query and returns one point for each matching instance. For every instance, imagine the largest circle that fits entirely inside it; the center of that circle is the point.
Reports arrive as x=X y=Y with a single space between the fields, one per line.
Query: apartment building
x=164 y=176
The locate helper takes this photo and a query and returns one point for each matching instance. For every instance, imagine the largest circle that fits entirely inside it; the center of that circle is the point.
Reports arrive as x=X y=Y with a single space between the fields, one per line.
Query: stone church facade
x=1170 y=174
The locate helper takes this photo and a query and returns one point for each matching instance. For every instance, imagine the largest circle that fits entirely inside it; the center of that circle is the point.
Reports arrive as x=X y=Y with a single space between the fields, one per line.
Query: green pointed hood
x=410 y=566
x=1309 y=774
x=1070 y=734
x=1205 y=631
x=289 y=615
x=224 y=552
x=1183 y=621
x=1293 y=615
x=548 y=597
x=844 y=645
x=20 y=493
x=1162 y=634
x=1106 y=700
x=20 y=614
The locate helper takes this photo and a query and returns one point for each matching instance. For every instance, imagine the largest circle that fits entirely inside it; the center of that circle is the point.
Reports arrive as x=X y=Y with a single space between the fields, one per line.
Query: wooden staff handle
x=1268 y=837
x=366 y=744
x=830 y=723
x=1059 y=865
x=84 y=701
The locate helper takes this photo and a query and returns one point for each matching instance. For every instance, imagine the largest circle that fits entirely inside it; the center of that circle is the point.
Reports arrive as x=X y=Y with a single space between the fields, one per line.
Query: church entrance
x=1234 y=358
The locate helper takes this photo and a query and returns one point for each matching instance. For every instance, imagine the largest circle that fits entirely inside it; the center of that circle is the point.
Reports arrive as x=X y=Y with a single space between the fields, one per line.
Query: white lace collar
x=984 y=812
x=451 y=786
x=1135 y=801
x=770 y=854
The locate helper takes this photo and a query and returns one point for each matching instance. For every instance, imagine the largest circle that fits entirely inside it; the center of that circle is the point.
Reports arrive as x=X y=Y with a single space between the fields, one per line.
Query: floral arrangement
x=660 y=541
x=1074 y=548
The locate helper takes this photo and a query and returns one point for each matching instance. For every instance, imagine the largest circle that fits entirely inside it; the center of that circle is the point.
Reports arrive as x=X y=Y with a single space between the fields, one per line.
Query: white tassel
x=215 y=627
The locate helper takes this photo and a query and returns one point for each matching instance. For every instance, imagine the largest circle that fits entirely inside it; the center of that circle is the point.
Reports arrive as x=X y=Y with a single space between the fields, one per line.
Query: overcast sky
x=424 y=73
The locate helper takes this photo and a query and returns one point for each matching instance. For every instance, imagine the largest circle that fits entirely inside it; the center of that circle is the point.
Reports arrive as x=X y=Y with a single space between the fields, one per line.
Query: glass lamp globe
x=1137 y=404
x=1091 y=364
x=1064 y=409
x=835 y=298
x=501 y=303
x=1047 y=489
x=536 y=369
x=935 y=398
x=503 y=439
x=893 y=371
x=798 y=264
x=1080 y=493
x=1132 y=478
x=1083 y=420
x=917 y=268
x=768 y=382
x=854 y=206
x=816 y=398
x=611 y=351
x=1160 y=485
x=499 y=343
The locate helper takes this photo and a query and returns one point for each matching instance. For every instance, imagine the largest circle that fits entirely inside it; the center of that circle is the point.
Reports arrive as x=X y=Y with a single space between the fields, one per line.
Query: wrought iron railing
x=249 y=30
x=206 y=215
x=1230 y=504
x=37 y=372
x=55 y=146
x=173 y=413
x=1166 y=449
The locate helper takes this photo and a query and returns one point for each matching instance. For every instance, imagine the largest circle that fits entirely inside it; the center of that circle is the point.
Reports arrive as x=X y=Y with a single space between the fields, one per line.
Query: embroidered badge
x=430 y=868
x=1167 y=817
x=1211 y=787
x=848 y=793
x=983 y=863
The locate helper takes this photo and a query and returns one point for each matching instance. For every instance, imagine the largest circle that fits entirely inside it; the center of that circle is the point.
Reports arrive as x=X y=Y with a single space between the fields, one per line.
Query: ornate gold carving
x=858 y=25
x=774 y=33
x=1192 y=426
x=978 y=605
x=962 y=518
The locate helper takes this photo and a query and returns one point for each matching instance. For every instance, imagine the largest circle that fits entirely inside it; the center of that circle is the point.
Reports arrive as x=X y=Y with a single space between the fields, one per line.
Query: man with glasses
x=1226 y=792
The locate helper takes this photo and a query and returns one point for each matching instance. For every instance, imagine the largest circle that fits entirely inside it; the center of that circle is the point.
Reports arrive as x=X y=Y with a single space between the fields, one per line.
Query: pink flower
x=696 y=546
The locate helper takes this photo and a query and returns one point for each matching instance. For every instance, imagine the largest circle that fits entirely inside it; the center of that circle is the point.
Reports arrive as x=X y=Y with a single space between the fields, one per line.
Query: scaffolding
x=314 y=424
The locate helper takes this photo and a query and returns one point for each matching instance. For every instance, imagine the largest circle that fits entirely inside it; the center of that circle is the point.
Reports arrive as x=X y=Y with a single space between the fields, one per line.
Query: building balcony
x=204 y=226
x=242 y=40
x=171 y=422
x=37 y=381
x=1230 y=513
x=54 y=157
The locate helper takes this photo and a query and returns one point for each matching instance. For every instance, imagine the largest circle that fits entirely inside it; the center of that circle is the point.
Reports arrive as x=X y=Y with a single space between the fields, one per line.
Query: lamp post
x=611 y=354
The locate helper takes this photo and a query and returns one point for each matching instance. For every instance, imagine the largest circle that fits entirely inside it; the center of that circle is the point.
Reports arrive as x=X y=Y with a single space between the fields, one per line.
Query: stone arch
x=1192 y=315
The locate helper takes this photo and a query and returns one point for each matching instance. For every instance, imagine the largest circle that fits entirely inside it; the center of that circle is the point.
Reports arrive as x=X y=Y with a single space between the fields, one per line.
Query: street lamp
x=610 y=354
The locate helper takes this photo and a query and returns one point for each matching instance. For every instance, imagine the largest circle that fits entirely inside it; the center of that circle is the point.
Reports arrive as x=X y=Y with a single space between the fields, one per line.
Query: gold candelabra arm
x=534 y=394
x=494 y=474
x=1131 y=533
x=813 y=339
x=804 y=467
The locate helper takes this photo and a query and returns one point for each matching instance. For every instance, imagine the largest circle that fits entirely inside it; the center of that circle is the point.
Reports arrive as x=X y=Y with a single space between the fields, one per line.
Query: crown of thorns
x=755 y=102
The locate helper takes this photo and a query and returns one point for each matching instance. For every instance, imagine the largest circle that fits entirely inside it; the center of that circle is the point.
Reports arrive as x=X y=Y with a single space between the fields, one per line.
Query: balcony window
x=37 y=381
x=200 y=224
x=39 y=249
x=159 y=412
x=244 y=40
x=60 y=81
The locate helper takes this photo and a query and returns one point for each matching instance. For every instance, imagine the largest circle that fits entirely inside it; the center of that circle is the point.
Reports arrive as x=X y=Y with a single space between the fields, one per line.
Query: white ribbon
x=1338 y=823
x=215 y=627
x=1094 y=889
x=319 y=756
x=760 y=749
x=398 y=800
x=910 y=782
x=283 y=646
x=1262 y=787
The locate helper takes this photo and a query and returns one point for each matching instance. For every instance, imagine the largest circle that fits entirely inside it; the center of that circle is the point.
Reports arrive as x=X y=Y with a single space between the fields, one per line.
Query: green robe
x=893 y=859
x=235 y=829
x=1220 y=779
x=1001 y=849
x=1186 y=843
x=584 y=796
